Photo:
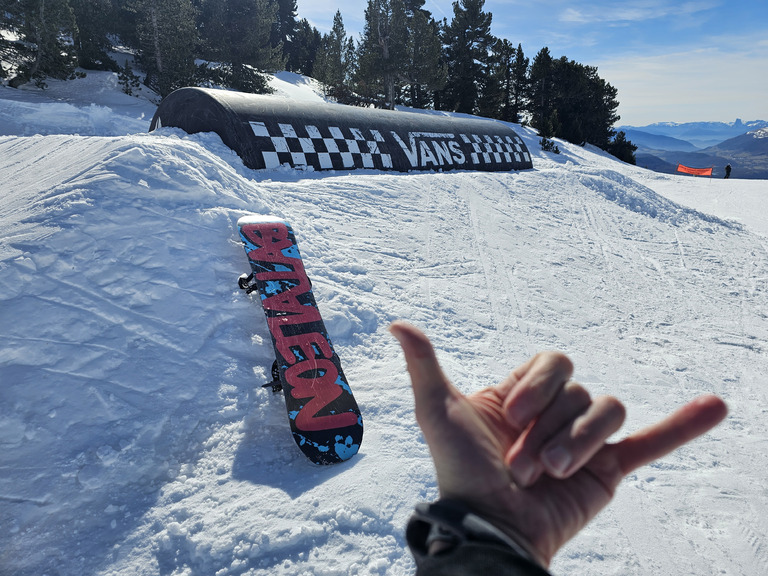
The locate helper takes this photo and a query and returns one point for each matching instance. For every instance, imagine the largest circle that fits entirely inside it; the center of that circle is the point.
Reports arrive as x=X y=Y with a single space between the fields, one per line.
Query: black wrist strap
x=452 y=522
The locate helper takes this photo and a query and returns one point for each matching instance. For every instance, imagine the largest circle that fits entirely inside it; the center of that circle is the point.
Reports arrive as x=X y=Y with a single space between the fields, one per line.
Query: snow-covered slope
x=135 y=437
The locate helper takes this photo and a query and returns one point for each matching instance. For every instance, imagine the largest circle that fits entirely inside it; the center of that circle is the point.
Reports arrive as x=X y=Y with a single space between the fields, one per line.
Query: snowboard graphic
x=324 y=417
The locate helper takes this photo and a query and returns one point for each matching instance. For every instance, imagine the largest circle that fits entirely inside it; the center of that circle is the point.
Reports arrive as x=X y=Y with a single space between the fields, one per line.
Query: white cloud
x=696 y=85
x=633 y=11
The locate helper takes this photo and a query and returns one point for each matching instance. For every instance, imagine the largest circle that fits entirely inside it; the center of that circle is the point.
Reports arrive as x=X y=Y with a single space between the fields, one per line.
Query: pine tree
x=586 y=104
x=125 y=23
x=95 y=19
x=167 y=37
x=285 y=26
x=468 y=42
x=542 y=94
x=601 y=109
x=496 y=83
x=569 y=100
x=237 y=36
x=382 y=52
x=302 y=51
x=43 y=50
x=424 y=70
x=622 y=148
x=11 y=52
x=520 y=85
x=335 y=63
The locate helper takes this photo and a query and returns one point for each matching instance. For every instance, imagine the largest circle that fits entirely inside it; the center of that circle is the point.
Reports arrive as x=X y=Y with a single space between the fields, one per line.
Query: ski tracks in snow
x=136 y=438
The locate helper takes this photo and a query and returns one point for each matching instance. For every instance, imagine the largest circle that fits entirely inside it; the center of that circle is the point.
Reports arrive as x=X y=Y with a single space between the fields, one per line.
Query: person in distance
x=524 y=466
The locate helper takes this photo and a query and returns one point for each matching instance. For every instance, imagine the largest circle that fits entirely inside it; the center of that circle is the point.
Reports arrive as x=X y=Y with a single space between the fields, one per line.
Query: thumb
x=431 y=388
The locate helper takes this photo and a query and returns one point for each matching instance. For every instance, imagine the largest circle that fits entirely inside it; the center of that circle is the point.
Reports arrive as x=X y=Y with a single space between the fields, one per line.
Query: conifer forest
x=403 y=57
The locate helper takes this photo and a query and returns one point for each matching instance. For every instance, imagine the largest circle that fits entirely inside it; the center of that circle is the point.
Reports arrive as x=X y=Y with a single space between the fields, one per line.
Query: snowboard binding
x=244 y=282
x=276 y=385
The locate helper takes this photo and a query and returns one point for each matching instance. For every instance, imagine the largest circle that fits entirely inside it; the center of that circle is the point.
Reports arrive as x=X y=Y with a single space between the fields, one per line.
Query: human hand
x=530 y=455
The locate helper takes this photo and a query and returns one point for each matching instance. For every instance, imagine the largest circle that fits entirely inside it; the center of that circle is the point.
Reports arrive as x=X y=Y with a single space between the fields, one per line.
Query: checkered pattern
x=487 y=149
x=329 y=149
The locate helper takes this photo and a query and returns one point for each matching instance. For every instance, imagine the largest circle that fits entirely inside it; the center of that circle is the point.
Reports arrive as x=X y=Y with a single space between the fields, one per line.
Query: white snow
x=135 y=437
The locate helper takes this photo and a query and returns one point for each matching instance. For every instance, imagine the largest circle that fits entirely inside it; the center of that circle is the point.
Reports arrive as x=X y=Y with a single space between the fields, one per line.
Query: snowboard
x=324 y=417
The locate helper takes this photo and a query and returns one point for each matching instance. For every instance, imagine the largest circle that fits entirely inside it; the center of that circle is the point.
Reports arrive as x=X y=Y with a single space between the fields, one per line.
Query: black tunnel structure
x=268 y=132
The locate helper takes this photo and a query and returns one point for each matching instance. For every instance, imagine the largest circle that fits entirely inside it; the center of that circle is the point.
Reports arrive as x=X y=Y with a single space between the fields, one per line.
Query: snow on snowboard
x=324 y=417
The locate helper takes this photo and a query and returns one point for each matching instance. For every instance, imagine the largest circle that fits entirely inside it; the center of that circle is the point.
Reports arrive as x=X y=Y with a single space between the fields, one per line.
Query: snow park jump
x=268 y=132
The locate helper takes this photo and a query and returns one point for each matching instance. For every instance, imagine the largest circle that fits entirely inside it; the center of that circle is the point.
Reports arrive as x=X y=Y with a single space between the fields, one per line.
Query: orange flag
x=694 y=171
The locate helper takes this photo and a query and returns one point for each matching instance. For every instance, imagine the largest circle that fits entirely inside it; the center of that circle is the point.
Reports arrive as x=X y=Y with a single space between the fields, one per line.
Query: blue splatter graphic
x=249 y=246
x=343 y=384
x=345 y=447
x=272 y=287
x=301 y=440
x=291 y=252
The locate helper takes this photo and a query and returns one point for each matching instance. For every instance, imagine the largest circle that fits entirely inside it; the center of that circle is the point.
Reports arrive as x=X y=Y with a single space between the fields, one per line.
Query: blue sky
x=704 y=60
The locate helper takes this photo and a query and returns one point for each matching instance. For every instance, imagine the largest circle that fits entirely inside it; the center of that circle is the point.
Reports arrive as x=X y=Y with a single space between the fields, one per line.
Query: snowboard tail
x=324 y=417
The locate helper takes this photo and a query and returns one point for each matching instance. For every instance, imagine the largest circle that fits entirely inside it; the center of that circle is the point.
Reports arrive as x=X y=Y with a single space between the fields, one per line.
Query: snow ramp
x=269 y=132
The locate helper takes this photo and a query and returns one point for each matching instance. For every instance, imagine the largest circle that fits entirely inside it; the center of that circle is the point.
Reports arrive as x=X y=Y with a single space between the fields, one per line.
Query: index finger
x=533 y=386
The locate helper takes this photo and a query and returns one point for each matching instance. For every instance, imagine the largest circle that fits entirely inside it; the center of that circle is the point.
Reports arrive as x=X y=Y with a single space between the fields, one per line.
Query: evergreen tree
x=586 y=104
x=382 y=52
x=424 y=70
x=285 y=26
x=125 y=23
x=44 y=27
x=542 y=94
x=468 y=42
x=520 y=86
x=167 y=38
x=11 y=52
x=335 y=63
x=95 y=20
x=237 y=35
x=570 y=101
x=601 y=109
x=302 y=52
x=622 y=148
x=496 y=83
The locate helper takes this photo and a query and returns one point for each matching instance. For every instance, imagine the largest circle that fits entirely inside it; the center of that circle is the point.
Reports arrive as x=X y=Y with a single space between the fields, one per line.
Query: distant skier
x=728 y=171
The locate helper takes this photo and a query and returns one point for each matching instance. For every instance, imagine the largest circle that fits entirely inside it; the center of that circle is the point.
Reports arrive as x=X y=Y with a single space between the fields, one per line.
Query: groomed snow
x=135 y=437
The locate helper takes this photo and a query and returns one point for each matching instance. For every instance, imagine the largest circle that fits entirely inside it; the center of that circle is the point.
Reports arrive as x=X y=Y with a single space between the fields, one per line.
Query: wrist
x=504 y=524
x=445 y=526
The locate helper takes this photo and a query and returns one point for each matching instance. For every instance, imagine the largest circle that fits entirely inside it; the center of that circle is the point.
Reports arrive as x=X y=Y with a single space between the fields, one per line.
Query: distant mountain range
x=743 y=145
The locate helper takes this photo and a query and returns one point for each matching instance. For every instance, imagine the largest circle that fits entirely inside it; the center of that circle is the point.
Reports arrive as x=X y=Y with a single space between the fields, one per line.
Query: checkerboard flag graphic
x=331 y=148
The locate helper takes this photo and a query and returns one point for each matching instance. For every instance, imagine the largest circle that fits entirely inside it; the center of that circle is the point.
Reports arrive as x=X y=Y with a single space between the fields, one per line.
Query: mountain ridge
x=701 y=134
x=746 y=152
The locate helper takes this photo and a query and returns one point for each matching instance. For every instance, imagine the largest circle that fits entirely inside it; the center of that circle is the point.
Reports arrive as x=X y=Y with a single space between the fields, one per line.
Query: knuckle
x=558 y=362
x=614 y=406
x=577 y=394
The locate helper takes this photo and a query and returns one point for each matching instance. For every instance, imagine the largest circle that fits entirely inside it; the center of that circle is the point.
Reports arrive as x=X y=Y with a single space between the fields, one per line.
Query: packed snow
x=135 y=437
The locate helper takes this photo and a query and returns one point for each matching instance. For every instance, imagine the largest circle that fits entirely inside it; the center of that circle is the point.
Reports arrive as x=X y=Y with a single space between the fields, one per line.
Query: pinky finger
x=692 y=420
